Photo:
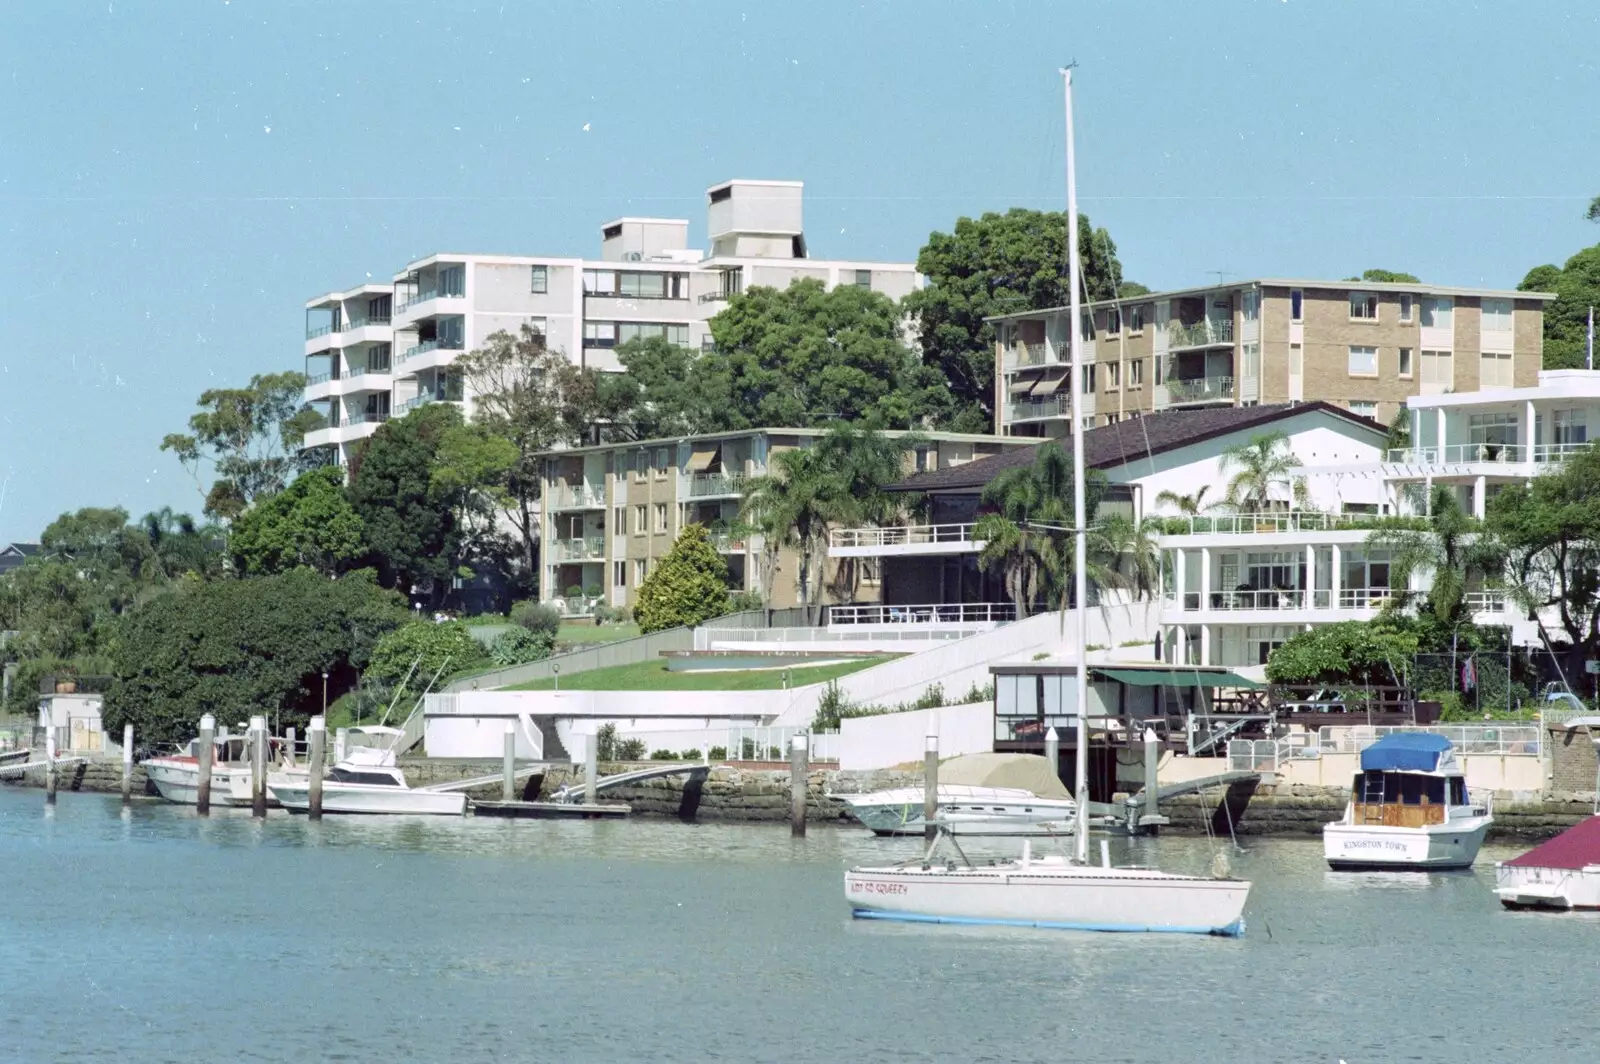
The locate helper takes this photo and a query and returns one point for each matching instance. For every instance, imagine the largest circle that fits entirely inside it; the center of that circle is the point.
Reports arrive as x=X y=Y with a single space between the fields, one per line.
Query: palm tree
x=1188 y=505
x=861 y=464
x=1450 y=551
x=792 y=506
x=1263 y=463
x=1026 y=536
x=1123 y=553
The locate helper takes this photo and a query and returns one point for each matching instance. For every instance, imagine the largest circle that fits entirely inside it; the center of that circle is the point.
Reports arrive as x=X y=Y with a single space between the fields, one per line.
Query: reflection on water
x=463 y=939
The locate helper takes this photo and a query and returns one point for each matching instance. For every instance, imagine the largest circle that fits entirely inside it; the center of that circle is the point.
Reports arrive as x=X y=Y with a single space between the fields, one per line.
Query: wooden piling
x=50 y=765
x=319 y=739
x=930 y=789
x=258 y=766
x=591 y=768
x=208 y=739
x=127 y=764
x=508 y=766
x=799 y=769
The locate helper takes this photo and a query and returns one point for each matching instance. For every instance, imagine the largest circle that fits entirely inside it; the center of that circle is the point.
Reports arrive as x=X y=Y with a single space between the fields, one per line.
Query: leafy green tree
x=862 y=462
x=1386 y=277
x=251 y=436
x=410 y=520
x=311 y=523
x=1262 y=464
x=1566 y=320
x=1593 y=213
x=665 y=389
x=237 y=647
x=1450 y=553
x=518 y=646
x=535 y=399
x=179 y=547
x=792 y=506
x=1346 y=652
x=689 y=585
x=1548 y=534
x=998 y=264
x=431 y=647
x=805 y=355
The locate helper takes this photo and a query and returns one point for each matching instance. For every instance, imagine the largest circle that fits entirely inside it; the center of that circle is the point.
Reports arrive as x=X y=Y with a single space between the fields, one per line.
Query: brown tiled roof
x=1110 y=446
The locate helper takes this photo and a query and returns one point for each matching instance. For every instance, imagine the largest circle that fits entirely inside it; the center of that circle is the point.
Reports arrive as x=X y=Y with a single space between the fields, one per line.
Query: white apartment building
x=381 y=350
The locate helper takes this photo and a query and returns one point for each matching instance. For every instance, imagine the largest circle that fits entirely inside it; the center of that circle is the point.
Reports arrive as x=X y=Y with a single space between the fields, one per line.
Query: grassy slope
x=653 y=676
x=587 y=634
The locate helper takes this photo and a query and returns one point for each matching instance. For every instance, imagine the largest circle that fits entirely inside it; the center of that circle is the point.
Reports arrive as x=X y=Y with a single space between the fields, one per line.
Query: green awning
x=1174 y=678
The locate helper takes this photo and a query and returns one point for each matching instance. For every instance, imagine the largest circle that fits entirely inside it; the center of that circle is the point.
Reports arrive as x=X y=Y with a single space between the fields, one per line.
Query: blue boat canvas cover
x=1405 y=752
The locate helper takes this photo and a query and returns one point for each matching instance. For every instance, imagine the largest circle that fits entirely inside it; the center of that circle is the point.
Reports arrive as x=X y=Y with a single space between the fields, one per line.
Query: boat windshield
x=350 y=775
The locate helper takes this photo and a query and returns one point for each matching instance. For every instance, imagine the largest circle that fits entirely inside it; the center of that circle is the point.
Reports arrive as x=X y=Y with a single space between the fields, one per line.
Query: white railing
x=1557 y=452
x=1056 y=406
x=1465 y=738
x=588 y=548
x=771 y=743
x=902 y=536
x=1457 y=453
x=1199 y=389
x=939 y=613
x=567 y=496
x=1245 y=523
x=1020 y=355
x=1258 y=600
x=1267 y=755
x=703 y=484
x=921 y=635
x=1201 y=334
x=1364 y=598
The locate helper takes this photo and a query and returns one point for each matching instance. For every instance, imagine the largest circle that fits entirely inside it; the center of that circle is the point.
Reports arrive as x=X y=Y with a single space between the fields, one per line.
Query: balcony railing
x=946 y=613
x=321 y=378
x=718 y=296
x=1020 y=355
x=361 y=323
x=1055 y=406
x=414 y=402
x=578 y=497
x=901 y=536
x=430 y=345
x=1208 y=333
x=704 y=484
x=366 y=417
x=1513 y=453
x=425 y=294
x=727 y=542
x=587 y=548
x=1199 y=389
x=1364 y=598
x=312 y=332
x=369 y=371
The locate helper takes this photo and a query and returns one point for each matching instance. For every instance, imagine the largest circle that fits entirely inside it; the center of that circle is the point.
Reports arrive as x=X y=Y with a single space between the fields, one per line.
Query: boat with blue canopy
x=1409 y=809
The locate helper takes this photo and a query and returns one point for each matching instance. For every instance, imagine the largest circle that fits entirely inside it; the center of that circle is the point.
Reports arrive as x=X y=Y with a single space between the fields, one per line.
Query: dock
x=553 y=810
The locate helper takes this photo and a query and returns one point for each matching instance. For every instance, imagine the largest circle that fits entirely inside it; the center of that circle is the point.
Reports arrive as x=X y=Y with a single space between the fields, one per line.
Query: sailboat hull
x=1050 y=895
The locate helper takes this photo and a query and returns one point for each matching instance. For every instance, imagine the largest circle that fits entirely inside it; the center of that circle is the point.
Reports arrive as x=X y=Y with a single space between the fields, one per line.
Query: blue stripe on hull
x=1233 y=930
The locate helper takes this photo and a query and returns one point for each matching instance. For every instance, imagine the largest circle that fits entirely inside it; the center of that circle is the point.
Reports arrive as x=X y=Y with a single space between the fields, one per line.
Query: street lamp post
x=556 y=669
x=324 y=694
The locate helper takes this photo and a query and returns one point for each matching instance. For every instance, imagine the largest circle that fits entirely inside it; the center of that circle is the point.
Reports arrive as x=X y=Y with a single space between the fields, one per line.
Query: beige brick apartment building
x=1363 y=345
x=612 y=511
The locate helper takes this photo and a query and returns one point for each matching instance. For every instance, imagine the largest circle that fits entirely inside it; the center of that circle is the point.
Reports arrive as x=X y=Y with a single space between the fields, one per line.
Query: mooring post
x=208 y=740
x=288 y=745
x=1152 y=767
x=1052 y=751
x=591 y=767
x=258 y=766
x=799 y=769
x=50 y=765
x=341 y=739
x=319 y=739
x=930 y=788
x=508 y=767
x=127 y=764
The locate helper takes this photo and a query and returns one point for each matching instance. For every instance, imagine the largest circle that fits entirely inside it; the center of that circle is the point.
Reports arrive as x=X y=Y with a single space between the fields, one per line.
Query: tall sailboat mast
x=1080 y=531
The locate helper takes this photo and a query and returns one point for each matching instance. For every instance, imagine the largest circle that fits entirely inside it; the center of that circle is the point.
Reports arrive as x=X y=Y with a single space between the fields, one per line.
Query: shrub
x=740 y=601
x=519 y=646
x=604 y=614
x=718 y=753
x=575 y=591
x=978 y=694
x=537 y=617
x=663 y=755
x=605 y=742
x=448 y=646
x=689 y=755
x=831 y=708
x=690 y=585
x=630 y=750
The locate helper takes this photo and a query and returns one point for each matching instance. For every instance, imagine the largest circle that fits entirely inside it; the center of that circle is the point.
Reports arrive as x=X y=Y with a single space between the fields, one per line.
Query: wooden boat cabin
x=1407 y=781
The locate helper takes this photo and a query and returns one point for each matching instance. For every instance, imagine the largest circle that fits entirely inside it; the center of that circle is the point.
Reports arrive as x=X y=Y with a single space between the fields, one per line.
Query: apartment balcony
x=576 y=497
x=710 y=485
x=321 y=386
x=373 y=418
x=1207 y=333
x=1274 y=606
x=902 y=541
x=728 y=542
x=1021 y=356
x=428 y=303
x=584 y=549
x=1038 y=409
x=430 y=354
x=357 y=381
x=1183 y=391
x=968 y=615
x=1278 y=523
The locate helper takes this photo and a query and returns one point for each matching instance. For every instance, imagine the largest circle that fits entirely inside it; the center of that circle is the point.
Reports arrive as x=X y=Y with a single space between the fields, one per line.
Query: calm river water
x=160 y=937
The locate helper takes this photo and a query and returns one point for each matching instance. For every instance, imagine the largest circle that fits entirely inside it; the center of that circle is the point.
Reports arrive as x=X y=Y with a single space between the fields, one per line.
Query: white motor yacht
x=1409 y=810
x=979 y=794
x=368 y=780
x=177 y=775
x=1563 y=873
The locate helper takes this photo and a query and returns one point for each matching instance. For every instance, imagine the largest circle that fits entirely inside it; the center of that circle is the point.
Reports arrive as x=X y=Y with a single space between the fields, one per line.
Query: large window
x=1494 y=370
x=1252 y=305
x=540 y=280
x=1497 y=315
x=863 y=279
x=661 y=517
x=1363 y=361
x=1498 y=429
x=1407 y=304
x=1113 y=321
x=1438 y=368
x=1113 y=376
x=1297 y=305
x=1136 y=373
x=1405 y=362
x=1088 y=378
x=1366 y=572
x=1363 y=306
x=453 y=281
x=1136 y=319
x=1364 y=408
x=1571 y=426
x=1437 y=312
x=632 y=284
x=613 y=333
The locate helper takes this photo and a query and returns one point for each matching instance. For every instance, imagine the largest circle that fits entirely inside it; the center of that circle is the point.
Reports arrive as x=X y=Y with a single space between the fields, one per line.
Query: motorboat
x=1055 y=892
x=366 y=780
x=177 y=775
x=1562 y=873
x=978 y=794
x=1409 y=810
x=1047 y=891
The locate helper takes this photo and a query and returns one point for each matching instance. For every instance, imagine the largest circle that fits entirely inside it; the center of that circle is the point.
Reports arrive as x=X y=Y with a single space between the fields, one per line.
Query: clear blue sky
x=177 y=178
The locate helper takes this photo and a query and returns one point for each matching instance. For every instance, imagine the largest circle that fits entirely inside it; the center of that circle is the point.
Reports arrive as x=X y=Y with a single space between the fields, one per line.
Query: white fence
x=934 y=613
x=1465 y=738
x=772 y=744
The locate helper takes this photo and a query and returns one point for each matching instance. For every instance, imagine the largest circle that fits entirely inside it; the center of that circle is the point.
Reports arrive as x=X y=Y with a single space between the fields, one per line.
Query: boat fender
x=1219 y=866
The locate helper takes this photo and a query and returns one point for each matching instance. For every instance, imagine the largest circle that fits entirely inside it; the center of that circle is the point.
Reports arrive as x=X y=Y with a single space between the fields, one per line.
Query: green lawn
x=585 y=634
x=653 y=676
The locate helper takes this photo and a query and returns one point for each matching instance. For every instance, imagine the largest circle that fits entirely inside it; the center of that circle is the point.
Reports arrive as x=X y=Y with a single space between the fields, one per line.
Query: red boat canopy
x=1576 y=847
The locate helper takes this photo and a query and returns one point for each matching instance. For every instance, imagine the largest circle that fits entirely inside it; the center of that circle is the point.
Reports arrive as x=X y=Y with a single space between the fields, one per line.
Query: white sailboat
x=1054 y=892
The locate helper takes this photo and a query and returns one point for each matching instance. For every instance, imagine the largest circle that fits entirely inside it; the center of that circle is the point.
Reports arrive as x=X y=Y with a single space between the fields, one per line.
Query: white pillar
x=1205 y=644
x=1311 y=577
x=1479 y=490
x=1525 y=435
x=1438 y=425
x=1416 y=428
x=1205 y=583
x=1180 y=645
x=1178 y=574
x=1336 y=577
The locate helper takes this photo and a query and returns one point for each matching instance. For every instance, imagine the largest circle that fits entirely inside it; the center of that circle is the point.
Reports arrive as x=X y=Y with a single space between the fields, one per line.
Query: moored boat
x=979 y=794
x=1409 y=810
x=368 y=780
x=1561 y=873
x=177 y=775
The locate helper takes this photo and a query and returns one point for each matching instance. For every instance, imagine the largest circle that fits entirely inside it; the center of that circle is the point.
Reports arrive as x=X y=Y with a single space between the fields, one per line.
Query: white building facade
x=379 y=351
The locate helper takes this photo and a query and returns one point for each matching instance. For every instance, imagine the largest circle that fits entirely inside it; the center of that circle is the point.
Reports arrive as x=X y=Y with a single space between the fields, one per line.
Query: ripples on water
x=157 y=936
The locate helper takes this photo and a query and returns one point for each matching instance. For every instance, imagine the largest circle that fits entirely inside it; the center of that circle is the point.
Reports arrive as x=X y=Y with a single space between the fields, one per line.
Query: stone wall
x=1572 y=758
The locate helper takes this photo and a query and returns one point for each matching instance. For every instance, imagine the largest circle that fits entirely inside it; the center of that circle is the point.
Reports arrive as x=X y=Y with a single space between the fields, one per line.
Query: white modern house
x=378 y=351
